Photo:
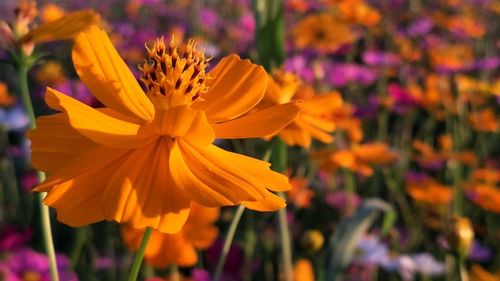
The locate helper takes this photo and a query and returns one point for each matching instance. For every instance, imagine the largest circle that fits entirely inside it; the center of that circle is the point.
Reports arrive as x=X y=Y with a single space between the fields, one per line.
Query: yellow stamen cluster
x=174 y=75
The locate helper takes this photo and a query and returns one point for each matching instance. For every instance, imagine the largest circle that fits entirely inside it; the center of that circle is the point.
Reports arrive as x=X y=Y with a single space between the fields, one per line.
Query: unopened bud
x=460 y=236
x=313 y=240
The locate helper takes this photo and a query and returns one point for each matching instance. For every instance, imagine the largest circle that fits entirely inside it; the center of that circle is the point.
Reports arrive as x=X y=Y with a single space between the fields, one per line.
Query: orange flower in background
x=466 y=25
x=451 y=56
x=144 y=157
x=303 y=271
x=344 y=119
x=375 y=153
x=300 y=194
x=478 y=273
x=487 y=175
x=484 y=120
x=312 y=122
x=428 y=157
x=357 y=11
x=51 y=12
x=5 y=98
x=50 y=73
x=407 y=48
x=486 y=196
x=163 y=249
x=427 y=190
x=358 y=159
x=473 y=86
x=322 y=32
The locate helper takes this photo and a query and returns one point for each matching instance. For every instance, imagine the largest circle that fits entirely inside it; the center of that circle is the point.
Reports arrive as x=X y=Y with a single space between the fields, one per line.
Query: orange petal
x=313 y=130
x=255 y=168
x=83 y=163
x=318 y=122
x=259 y=123
x=96 y=125
x=162 y=249
x=270 y=203
x=108 y=77
x=183 y=121
x=54 y=142
x=206 y=183
x=322 y=104
x=141 y=192
x=76 y=190
x=294 y=135
x=237 y=86
x=199 y=229
x=64 y=28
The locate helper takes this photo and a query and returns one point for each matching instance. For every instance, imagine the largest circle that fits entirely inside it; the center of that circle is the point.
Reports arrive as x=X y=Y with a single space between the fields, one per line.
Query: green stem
x=23 y=67
x=81 y=236
x=286 y=245
x=227 y=242
x=174 y=273
x=279 y=160
x=136 y=266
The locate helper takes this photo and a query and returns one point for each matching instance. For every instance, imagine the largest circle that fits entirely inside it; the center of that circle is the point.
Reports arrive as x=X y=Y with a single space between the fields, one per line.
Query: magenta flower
x=26 y=264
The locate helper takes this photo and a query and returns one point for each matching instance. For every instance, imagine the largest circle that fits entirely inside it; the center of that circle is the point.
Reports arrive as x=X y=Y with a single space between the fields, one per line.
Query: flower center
x=174 y=75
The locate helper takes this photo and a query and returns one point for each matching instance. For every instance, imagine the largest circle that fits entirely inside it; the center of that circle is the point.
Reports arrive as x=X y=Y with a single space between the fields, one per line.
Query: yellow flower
x=144 y=157
x=322 y=32
x=164 y=249
x=312 y=121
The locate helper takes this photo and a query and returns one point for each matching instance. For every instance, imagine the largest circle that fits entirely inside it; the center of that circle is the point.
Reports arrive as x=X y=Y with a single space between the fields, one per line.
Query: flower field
x=239 y=140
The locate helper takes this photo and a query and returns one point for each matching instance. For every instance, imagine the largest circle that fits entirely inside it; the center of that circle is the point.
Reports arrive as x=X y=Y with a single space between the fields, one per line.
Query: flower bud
x=313 y=240
x=460 y=236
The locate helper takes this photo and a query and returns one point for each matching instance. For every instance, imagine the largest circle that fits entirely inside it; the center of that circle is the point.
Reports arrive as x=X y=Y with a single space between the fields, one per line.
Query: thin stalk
x=136 y=266
x=174 y=273
x=286 y=245
x=44 y=210
x=464 y=276
x=81 y=237
x=227 y=242
x=279 y=160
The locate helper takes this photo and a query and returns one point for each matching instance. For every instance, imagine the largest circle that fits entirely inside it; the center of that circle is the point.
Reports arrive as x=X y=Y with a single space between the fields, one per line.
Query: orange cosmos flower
x=357 y=159
x=144 y=157
x=51 y=12
x=311 y=122
x=487 y=196
x=487 y=175
x=451 y=56
x=344 y=119
x=303 y=270
x=300 y=194
x=427 y=190
x=6 y=99
x=358 y=11
x=484 y=120
x=478 y=273
x=322 y=32
x=164 y=249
